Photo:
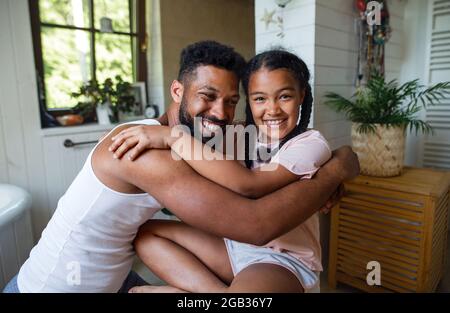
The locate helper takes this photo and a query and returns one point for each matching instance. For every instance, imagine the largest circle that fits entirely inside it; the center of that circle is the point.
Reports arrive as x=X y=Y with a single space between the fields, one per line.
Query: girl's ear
x=176 y=91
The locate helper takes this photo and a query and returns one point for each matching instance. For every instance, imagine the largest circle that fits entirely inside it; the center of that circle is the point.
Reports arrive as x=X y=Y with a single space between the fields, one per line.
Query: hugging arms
x=215 y=209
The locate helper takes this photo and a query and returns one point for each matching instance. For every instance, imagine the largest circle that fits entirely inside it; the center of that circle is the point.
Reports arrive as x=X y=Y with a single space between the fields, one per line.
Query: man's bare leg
x=186 y=258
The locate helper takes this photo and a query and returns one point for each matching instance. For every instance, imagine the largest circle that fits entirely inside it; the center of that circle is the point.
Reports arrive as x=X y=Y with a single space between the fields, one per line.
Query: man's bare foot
x=156 y=289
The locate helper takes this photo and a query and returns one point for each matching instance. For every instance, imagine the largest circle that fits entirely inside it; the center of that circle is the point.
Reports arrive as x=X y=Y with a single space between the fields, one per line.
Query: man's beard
x=187 y=120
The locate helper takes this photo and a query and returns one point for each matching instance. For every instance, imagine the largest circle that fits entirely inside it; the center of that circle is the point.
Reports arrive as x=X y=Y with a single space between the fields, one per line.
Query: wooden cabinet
x=399 y=222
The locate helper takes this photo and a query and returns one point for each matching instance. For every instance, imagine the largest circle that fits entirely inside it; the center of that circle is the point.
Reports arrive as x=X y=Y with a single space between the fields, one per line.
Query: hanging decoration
x=269 y=17
x=372 y=38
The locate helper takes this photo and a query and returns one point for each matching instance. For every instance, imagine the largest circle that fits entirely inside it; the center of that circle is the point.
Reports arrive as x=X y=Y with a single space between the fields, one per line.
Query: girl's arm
x=133 y=141
x=213 y=165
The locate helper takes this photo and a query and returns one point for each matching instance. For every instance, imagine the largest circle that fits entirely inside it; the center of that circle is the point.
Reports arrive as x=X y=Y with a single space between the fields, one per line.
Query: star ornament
x=268 y=18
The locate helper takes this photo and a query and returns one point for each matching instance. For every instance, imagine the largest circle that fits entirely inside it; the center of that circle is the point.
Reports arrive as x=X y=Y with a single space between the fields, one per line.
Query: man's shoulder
x=147 y=121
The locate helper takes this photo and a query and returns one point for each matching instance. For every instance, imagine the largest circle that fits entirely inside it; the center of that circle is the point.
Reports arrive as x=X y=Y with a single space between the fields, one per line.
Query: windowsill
x=79 y=129
x=85 y=128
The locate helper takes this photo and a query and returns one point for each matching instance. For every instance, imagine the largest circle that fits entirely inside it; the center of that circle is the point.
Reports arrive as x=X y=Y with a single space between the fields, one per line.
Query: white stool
x=16 y=236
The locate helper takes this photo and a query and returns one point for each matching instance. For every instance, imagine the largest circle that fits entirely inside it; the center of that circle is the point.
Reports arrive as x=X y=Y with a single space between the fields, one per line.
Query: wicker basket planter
x=380 y=153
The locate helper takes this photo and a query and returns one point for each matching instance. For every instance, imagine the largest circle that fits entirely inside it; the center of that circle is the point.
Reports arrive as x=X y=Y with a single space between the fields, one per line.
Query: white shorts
x=242 y=255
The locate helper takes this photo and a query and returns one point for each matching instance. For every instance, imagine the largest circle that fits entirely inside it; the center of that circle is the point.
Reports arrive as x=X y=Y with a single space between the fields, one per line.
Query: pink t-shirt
x=302 y=155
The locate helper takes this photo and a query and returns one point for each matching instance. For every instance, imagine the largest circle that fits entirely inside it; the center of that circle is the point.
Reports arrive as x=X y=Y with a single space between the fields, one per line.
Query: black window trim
x=137 y=32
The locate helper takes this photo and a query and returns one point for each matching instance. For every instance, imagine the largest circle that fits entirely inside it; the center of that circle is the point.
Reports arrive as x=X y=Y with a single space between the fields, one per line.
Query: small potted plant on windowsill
x=125 y=102
x=107 y=100
x=92 y=102
x=381 y=112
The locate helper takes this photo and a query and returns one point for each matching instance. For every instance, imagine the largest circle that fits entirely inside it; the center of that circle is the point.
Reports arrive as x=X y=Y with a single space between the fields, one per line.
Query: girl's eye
x=258 y=99
x=285 y=97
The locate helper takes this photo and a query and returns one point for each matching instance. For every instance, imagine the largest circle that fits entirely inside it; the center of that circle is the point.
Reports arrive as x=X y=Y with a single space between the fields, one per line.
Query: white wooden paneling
x=3 y=165
x=11 y=111
x=436 y=149
x=24 y=237
x=16 y=241
x=63 y=164
x=9 y=259
x=334 y=38
x=3 y=281
x=155 y=59
x=338 y=20
x=20 y=114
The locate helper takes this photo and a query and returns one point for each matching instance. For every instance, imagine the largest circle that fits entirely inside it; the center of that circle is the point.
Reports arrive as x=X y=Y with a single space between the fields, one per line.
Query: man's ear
x=176 y=91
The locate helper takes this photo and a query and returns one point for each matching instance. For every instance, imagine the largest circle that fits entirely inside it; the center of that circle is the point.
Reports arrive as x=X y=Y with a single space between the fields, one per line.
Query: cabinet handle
x=69 y=143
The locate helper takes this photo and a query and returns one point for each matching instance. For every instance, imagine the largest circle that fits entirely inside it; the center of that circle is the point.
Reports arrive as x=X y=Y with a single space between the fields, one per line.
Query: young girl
x=277 y=87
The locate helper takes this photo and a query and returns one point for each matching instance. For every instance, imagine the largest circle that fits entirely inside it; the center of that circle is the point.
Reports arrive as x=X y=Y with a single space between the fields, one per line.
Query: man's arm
x=215 y=209
x=212 y=208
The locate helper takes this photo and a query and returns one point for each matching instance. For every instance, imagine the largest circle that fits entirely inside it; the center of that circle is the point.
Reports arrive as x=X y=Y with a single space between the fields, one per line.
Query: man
x=87 y=245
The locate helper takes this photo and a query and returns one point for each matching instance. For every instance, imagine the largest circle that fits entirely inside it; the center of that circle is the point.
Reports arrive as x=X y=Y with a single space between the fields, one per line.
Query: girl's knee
x=145 y=236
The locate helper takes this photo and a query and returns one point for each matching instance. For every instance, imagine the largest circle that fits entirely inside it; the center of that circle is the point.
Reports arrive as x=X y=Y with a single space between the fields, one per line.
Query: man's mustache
x=213 y=119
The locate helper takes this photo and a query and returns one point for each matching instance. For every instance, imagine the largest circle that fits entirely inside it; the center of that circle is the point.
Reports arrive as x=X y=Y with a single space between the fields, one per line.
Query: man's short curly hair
x=209 y=52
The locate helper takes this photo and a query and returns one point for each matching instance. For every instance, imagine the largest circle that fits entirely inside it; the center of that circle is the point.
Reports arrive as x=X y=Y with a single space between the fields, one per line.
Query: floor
x=444 y=286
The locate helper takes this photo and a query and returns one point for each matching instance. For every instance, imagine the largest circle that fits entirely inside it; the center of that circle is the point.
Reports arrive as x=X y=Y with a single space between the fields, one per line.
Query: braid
x=248 y=121
x=306 y=109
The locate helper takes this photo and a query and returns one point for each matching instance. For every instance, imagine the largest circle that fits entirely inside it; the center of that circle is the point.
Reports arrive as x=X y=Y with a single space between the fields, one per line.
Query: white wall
x=21 y=155
x=155 y=58
x=335 y=67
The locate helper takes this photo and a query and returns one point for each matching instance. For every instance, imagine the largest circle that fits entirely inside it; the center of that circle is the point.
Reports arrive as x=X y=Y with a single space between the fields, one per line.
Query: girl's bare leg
x=184 y=257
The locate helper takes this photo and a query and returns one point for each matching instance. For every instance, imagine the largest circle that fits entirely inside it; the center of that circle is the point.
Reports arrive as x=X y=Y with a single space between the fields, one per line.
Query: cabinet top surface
x=422 y=181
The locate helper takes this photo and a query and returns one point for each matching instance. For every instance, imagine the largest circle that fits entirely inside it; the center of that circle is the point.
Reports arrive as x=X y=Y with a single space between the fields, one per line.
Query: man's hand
x=344 y=163
x=137 y=139
x=333 y=200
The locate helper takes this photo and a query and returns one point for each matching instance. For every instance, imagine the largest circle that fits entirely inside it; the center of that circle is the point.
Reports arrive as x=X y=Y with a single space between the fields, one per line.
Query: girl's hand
x=137 y=139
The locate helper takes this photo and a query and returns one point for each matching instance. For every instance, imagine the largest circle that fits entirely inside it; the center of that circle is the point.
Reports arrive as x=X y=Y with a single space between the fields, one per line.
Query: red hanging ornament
x=361 y=5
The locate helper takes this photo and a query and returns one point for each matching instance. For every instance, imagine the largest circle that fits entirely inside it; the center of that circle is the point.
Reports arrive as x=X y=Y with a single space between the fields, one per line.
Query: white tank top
x=87 y=245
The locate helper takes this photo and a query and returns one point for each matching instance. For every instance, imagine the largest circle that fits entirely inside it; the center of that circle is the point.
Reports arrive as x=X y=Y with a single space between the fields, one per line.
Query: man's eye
x=208 y=97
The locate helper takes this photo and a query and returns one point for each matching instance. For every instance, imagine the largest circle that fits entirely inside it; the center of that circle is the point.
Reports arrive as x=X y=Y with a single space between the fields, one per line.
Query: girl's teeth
x=273 y=123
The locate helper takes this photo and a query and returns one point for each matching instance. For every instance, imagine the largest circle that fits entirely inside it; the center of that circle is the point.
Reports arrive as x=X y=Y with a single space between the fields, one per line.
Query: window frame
x=139 y=56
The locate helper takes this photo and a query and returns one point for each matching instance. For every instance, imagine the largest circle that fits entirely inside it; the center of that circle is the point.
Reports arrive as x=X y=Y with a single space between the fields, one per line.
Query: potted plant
x=381 y=112
x=90 y=95
x=125 y=102
x=107 y=99
x=93 y=101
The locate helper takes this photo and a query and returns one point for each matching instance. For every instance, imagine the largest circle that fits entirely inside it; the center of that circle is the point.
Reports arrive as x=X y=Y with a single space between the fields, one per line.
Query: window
x=78 y=40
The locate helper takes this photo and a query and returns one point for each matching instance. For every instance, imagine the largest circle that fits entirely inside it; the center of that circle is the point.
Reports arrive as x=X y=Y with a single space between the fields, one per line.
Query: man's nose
x=218 y=110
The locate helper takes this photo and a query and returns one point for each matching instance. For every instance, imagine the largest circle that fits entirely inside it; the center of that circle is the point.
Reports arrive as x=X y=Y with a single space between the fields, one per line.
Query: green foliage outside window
x=67 y=53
